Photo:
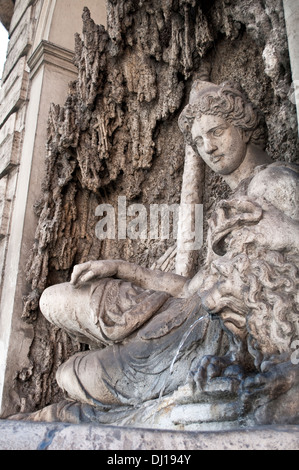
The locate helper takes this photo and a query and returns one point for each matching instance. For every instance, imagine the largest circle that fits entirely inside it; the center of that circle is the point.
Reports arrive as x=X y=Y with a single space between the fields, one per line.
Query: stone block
x=9 y=153
x=4 y=208
x=19 y=10
x=14 y=91
x=7 y=191
x=19 y=44
x=10 y=142
x=8 y=127
x=57 y=436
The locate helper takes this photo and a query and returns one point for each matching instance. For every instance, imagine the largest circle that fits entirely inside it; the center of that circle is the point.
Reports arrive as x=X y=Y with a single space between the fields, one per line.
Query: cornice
x=49 y=53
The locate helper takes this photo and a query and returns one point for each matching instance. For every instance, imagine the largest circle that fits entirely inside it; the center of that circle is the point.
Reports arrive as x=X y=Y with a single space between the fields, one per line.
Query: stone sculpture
x=134 y=318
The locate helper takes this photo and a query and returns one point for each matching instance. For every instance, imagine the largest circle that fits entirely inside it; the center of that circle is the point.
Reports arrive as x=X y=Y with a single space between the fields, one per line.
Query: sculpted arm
x=157 y=280
x=276 y=189
x=193 y=285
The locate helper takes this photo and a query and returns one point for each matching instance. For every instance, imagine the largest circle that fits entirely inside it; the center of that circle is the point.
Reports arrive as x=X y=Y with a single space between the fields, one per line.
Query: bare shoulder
x=278 y=184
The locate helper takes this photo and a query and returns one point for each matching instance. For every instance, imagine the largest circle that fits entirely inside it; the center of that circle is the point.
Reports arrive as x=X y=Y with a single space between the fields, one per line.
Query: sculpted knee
x=81 y=378
x=66 y=378
x=53 y=303
x=46 y=302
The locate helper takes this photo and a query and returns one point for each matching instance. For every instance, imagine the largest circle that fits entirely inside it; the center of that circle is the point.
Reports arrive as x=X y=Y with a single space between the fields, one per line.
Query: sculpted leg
x=83 y=378
x=139 y=369
x=100 y=312
x=69 y=308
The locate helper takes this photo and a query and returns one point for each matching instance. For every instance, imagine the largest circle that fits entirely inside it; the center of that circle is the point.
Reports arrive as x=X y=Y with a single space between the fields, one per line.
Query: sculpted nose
x=209 y=146
x=210 y=300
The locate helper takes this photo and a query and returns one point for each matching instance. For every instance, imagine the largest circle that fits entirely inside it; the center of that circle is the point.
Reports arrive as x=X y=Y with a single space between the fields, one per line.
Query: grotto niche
x=209 y=341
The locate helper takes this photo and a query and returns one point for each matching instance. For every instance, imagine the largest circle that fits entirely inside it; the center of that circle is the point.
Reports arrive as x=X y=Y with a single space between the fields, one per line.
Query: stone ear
x=246 y=135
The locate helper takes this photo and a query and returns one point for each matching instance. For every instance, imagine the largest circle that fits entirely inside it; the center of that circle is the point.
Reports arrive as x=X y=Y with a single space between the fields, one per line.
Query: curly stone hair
x=228 y=101
x=273 y=303
x=270 y=297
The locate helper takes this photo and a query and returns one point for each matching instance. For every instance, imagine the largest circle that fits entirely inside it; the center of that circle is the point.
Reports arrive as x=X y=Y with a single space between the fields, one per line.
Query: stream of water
x=182 y=342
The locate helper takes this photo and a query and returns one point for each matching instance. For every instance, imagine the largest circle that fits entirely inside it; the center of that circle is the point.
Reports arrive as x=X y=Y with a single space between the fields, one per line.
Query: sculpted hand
x=275 y=380
x=85 y=272
x=260 y=392
x=213 y=366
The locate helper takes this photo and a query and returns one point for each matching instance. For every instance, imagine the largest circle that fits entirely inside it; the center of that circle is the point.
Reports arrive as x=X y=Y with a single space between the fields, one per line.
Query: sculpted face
x=221 y=145
x=223 y=293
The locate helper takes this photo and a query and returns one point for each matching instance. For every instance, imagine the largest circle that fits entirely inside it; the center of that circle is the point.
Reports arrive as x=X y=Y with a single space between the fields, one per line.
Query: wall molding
x=51 y=54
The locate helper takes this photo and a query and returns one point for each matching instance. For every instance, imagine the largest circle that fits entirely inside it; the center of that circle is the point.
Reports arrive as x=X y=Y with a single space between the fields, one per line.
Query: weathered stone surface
x=9 y=153
x=19 y=44
x=20 y=7
x=3 y=210
x=40 y=436
x=14 y=91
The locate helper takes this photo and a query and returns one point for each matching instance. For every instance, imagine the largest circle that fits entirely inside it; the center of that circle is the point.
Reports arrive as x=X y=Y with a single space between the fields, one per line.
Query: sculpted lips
x=232 y=310
x=216 y=158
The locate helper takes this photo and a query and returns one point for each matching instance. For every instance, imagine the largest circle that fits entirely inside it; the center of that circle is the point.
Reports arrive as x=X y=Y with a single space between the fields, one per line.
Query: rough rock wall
x=117 y=135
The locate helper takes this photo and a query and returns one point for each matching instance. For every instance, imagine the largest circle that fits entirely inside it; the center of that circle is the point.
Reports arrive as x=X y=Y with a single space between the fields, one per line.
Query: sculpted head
x=219 y=123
